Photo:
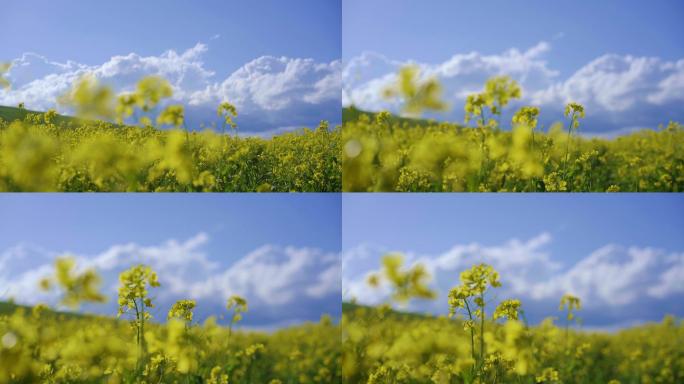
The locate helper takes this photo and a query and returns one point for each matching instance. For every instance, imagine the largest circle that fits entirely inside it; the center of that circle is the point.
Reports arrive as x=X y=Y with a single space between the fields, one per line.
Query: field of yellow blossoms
x=41 y=345
x=122 y=143
x=488 y=340
x=383 y=152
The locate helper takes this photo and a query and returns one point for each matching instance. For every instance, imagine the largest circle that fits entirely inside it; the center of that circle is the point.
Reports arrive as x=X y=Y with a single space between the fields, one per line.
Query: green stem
x=138 y=333
x=498 y=117
x=137 y=323
x=567 y=330
x=472 y=337
x=567 y=145
x=532 y=145
x=482 y=116
x=482 y=318
x=142 y=329
x=483 y=161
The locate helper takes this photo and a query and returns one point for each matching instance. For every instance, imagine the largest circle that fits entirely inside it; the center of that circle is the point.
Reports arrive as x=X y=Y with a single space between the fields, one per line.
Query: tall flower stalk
x=134 y=299
x=574 y=111
x=236 y=306
x=469 y=298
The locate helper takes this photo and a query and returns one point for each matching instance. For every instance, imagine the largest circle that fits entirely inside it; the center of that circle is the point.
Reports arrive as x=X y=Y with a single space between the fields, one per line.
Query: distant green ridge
x=14 y=113
x=351 y=310
x=8 y=308
x=350 y=114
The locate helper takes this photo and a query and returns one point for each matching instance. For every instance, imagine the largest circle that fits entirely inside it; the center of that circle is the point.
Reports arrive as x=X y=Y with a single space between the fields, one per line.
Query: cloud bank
x=621 y=93
x=269 y=92
x=283 y=285
x=617 y=284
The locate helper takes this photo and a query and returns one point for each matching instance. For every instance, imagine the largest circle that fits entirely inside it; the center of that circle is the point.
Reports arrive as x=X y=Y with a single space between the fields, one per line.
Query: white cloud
x=671 y=281
x=327 y=282
x=615 y=84
x=613 y=276
x=365 y=76
x=268 y=91
x=39 y=82
x=670 y=87
x=617 y=90
x=269 y=277
x=275 y=84
x=274 y=276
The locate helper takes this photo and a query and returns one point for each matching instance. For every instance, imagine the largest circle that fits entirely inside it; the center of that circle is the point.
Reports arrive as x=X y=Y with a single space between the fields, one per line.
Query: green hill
x=353 y=310
x=8 y=308
x=352 y=113
x=14 y=113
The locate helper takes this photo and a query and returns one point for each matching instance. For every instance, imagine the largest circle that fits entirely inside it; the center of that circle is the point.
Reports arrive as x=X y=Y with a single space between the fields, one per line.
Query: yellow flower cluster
x=182 y=310
x=77 y=287
x=406 y=283
x=417 y=94
x=4 y=68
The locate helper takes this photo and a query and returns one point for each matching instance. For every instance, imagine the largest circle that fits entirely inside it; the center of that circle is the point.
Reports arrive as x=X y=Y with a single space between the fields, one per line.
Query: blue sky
x=622 y=253
x=611 y=55
x=301 y=28
x=408 y=29
x=275 y=249
x=232 y=34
